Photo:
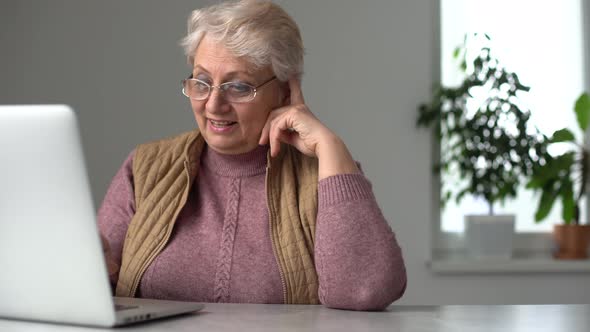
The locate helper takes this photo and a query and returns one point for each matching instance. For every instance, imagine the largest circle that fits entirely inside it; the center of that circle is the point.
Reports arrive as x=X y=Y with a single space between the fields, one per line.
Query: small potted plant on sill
x=565 y=177
x=491 y=146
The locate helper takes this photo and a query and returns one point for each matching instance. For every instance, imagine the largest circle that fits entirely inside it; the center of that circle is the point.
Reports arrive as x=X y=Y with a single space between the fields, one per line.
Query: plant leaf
x=463 y=66
x=563 y=135
x=567 y=198
x=456 y=52
x=582 y=109
x=551 y=170
x=534 y=183
x=545 y=205
x=460 y=195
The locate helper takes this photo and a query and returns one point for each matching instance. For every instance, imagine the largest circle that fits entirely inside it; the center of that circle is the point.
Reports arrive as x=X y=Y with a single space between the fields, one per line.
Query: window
x=542 y=41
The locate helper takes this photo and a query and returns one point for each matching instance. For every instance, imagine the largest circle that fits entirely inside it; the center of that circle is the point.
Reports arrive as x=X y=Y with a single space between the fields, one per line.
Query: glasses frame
x=221 y=91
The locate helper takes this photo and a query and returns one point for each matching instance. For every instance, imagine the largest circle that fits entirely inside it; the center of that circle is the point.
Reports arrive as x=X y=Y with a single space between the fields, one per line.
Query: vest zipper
x=270 y=217
x=163 y=243
x=148 y=262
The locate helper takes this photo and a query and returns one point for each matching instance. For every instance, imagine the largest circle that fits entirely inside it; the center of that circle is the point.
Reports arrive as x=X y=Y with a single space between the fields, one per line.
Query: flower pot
x=572 y=241
x=489 y=236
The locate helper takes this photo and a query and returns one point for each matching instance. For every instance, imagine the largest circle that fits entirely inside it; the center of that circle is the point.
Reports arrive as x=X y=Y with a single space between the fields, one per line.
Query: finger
x=266 y=129
x=296 y=93
x=278 y=125
x=264 y=134
x=275 y=142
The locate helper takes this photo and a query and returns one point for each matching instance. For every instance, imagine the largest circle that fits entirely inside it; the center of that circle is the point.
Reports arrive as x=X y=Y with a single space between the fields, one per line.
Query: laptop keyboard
x=121 y=307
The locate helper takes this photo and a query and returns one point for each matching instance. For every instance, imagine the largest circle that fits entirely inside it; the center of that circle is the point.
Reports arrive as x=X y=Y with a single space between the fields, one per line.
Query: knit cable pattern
x=224 y=261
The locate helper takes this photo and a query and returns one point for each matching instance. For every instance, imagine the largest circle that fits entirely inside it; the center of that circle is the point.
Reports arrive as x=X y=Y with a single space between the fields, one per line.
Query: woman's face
x=231 y=128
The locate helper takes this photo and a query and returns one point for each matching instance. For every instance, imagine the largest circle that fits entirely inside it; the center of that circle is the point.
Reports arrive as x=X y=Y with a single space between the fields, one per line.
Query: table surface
x=268 y=317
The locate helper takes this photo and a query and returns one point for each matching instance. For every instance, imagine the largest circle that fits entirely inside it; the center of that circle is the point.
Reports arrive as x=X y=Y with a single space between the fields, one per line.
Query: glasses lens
x=237 y=92
x=196 y=89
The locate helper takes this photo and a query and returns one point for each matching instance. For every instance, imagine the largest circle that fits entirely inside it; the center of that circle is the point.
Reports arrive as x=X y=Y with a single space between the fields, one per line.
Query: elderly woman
x=263 y=203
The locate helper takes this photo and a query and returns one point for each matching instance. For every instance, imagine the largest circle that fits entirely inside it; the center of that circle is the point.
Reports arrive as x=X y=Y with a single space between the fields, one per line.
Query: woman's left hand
x=294 y=124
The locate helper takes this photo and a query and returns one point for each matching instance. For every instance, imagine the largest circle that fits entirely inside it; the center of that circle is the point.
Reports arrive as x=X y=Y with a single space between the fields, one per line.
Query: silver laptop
x=51 y=262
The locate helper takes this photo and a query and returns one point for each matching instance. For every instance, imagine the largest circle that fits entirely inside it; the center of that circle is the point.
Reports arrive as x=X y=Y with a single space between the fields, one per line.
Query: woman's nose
x=216 y=102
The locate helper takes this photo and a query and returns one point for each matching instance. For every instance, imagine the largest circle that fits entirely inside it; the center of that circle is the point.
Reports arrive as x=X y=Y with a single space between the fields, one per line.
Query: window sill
x=458 y=263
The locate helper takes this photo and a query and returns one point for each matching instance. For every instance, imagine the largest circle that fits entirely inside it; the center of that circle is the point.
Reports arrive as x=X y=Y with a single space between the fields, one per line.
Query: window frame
x=525 y=243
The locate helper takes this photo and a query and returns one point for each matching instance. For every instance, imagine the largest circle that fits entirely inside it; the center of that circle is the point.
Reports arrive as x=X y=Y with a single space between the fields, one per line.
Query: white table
x=255 y=317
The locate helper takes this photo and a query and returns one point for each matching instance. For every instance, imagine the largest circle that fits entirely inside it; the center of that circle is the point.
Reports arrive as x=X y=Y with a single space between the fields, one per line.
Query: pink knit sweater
x=220 y=249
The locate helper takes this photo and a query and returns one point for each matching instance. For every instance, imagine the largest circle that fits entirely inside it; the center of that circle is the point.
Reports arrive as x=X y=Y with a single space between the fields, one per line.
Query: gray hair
x=258 y=30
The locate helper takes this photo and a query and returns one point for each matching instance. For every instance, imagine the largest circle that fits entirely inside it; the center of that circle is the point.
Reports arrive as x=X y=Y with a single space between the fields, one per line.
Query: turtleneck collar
x=235 y=165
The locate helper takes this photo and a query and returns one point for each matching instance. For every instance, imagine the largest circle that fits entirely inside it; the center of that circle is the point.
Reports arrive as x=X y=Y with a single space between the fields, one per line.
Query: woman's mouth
x=221 y=126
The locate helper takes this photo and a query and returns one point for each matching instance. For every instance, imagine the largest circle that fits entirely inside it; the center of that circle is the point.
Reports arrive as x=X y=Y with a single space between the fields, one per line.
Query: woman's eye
x=200 y=86
x=238 y=88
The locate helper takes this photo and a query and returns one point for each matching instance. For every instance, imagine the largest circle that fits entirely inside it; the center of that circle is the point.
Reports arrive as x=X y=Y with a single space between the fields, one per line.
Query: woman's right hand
x=112 y=266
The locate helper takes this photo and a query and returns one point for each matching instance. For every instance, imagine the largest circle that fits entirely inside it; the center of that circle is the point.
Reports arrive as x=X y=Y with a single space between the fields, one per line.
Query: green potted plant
x=491 y=145
x=565 y=177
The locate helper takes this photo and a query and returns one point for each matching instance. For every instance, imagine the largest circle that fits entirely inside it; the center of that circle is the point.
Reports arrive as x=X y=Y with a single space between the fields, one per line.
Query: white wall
x=368 y=65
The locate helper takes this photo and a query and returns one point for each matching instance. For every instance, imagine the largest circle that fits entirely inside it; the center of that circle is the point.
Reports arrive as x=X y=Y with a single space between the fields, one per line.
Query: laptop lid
x=51 y=260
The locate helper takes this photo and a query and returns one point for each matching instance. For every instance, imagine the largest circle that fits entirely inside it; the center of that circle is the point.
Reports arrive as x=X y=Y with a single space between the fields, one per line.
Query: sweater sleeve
x=358 y=260
x=117 y=209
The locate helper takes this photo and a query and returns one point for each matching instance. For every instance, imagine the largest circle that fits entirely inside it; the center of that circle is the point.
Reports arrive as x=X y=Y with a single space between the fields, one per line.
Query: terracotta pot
x=572 y=241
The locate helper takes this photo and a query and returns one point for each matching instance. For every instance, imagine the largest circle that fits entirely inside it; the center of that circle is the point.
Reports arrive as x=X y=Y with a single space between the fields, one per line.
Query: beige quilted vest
x=163 y=172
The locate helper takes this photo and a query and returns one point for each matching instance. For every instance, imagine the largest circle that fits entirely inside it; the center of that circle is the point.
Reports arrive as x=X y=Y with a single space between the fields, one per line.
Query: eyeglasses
x=233 y=92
